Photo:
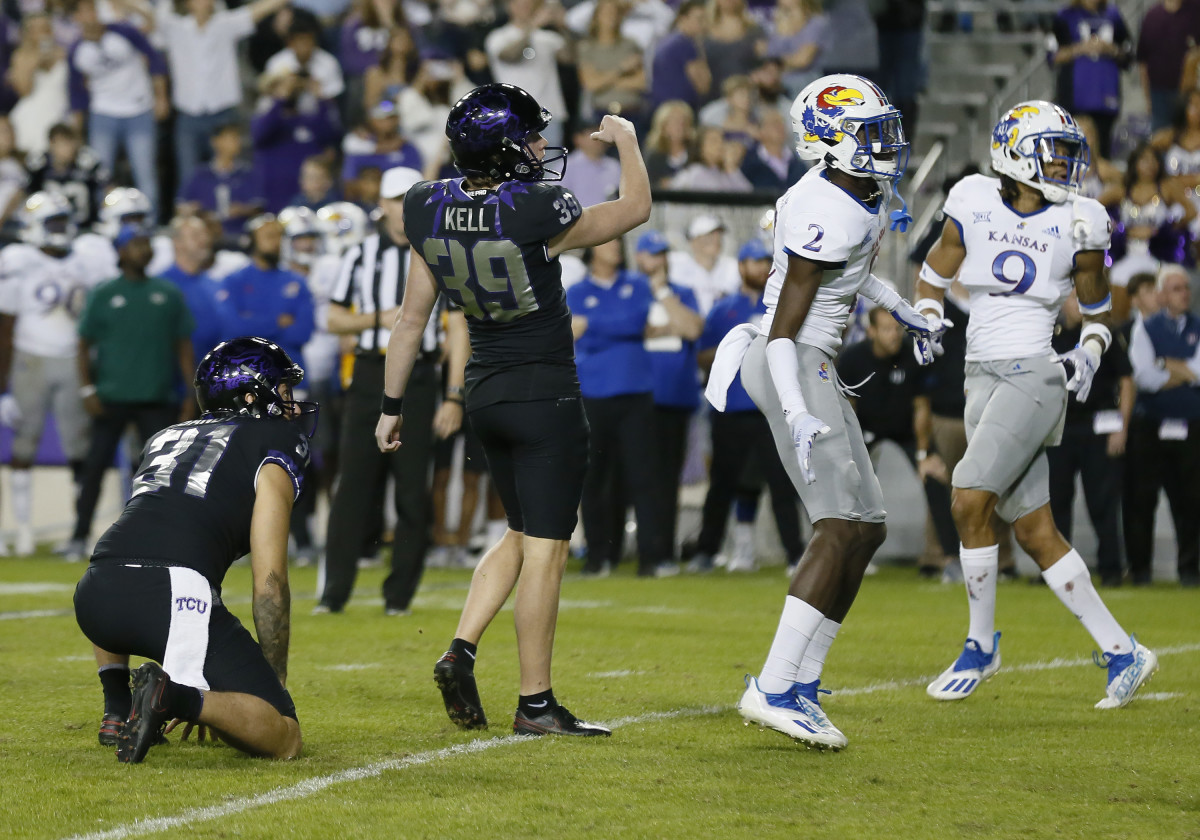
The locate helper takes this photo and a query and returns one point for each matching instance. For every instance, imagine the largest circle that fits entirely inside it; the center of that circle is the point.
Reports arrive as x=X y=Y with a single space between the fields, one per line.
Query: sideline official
x=364 y=302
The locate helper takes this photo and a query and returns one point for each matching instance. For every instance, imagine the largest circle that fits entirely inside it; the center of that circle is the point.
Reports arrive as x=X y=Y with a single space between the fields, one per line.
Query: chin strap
x=901 y=218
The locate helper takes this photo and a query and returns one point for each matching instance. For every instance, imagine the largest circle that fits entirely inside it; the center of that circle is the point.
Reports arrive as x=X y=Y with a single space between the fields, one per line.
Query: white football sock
x=1072 y=583
x=22 y=495
x=797 y=625
x=980 y=568
x=817 y=650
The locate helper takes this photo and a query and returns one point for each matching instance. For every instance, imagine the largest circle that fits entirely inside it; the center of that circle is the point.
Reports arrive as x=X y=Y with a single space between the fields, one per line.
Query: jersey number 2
x=198 y=450
x=1028 y=273
x=492 y=280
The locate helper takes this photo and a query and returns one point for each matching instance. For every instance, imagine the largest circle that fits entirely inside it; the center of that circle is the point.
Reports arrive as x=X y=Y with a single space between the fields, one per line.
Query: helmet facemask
x=58 y=232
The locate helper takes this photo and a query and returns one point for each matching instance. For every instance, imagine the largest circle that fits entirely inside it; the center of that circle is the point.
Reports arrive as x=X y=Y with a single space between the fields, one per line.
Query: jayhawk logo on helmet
x=1005 y=133
x=835 y=99
x=832 y=102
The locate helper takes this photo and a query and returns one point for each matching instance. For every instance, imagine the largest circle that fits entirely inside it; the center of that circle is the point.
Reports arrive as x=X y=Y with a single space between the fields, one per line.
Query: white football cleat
x=972 y=667
x=792 y=714
x=1127 y=672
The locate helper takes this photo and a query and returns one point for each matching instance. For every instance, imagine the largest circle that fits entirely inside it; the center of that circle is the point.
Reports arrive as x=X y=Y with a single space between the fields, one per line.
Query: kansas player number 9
x=1028 y=273
x=491 y=279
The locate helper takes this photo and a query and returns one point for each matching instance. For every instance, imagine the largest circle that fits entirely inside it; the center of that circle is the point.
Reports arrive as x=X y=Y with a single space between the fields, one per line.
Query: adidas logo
x=1052 y=231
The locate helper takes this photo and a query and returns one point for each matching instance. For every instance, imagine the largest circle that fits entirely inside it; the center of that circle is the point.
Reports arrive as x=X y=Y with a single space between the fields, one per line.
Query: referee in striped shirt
x=363 y=303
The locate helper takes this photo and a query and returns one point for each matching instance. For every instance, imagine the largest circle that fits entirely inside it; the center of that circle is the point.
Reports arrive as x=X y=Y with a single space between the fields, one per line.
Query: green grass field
x=662 y=662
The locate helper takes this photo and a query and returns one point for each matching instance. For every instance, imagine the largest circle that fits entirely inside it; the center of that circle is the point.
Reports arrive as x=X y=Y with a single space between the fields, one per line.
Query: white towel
x=728 y=362
x=187 y=640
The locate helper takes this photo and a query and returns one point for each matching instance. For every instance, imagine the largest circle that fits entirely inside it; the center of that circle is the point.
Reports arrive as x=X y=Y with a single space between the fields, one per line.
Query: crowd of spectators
x=219 y=113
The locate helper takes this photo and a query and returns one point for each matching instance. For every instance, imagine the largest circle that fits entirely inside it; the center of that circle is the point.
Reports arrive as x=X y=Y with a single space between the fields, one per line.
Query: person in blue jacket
x=672 y=327
x=740 y=433
x=266 y=299
x=205 y=297
x=609 y=309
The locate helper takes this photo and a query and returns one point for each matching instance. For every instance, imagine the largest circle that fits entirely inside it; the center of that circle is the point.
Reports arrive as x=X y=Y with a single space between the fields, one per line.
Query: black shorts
x=537 y=455
x=170 y=615
x=474 y=460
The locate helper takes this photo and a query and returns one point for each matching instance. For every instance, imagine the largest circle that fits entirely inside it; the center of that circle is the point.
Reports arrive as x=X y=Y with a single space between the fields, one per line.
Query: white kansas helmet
x=1034 y=135
x=847 y=122
x=49 y=221
x=344 y=225
x=123 y=206
x=303 y=237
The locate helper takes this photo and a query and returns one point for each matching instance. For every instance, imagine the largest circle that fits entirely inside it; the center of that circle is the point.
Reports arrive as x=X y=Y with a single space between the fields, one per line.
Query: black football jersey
x=488 y=252
x=193 y=494
x=81 y=182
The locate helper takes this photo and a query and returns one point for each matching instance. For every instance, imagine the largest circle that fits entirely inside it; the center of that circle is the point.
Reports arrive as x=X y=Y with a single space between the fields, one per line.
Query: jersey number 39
x=491 y=279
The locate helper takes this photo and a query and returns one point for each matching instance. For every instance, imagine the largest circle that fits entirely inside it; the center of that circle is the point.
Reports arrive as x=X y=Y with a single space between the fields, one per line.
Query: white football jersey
x=47 y=295
x=822 y=222
x=1018 y=268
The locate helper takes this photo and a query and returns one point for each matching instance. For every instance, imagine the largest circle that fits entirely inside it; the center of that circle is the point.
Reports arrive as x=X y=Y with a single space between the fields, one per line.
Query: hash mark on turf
x=350 y=666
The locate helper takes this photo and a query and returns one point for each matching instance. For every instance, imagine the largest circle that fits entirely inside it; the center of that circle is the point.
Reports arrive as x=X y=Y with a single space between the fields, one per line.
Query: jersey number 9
x=1028 y=273
x=491 y=280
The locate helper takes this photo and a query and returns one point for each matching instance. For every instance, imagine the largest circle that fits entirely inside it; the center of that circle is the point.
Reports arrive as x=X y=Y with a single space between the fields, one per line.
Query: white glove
x=1081 y=364
x=926 y=330
x=10 y=412
x=804 y=428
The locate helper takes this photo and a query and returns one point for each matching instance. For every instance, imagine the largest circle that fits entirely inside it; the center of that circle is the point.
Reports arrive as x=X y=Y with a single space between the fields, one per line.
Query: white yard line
x=315 y=785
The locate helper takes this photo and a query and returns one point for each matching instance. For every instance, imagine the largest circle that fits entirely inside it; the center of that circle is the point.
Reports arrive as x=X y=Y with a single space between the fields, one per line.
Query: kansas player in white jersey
x=44 y=282
x=1018 y=243
x=828 y=228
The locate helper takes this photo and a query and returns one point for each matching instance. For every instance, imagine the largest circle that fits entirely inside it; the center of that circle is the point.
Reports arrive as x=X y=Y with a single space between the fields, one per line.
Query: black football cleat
x=148 y=717
x=457 y=684
x=555 y=721
x=110 y=730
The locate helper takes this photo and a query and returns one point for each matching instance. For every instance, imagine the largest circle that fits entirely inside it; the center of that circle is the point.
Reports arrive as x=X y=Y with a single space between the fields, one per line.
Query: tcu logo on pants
x=191 y=605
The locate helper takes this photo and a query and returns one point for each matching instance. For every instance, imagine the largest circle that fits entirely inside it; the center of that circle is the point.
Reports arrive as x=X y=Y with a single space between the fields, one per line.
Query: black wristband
x=392 y=406
x=453 y=398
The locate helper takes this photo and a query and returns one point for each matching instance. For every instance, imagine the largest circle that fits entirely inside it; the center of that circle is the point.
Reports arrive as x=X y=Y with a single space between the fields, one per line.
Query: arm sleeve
x=158 y=67
x=1147 y=375
x=266 y=124
x=288 y=448
x=1091 y=226
x=958 y=201
x=238 y=23
x=545 y=212
x=76 y=84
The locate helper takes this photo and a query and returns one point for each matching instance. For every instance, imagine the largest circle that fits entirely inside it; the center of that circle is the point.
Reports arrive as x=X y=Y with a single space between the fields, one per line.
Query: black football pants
x=1152 y=465
x=362 y=482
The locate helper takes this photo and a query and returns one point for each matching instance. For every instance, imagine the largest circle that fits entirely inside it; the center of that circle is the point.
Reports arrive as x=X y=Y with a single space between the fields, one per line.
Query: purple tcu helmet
x=490 y=130
x=245 y=366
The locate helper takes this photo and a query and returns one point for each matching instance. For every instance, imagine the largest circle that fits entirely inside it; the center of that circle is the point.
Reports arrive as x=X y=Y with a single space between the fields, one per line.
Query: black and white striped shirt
x=371 y=280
